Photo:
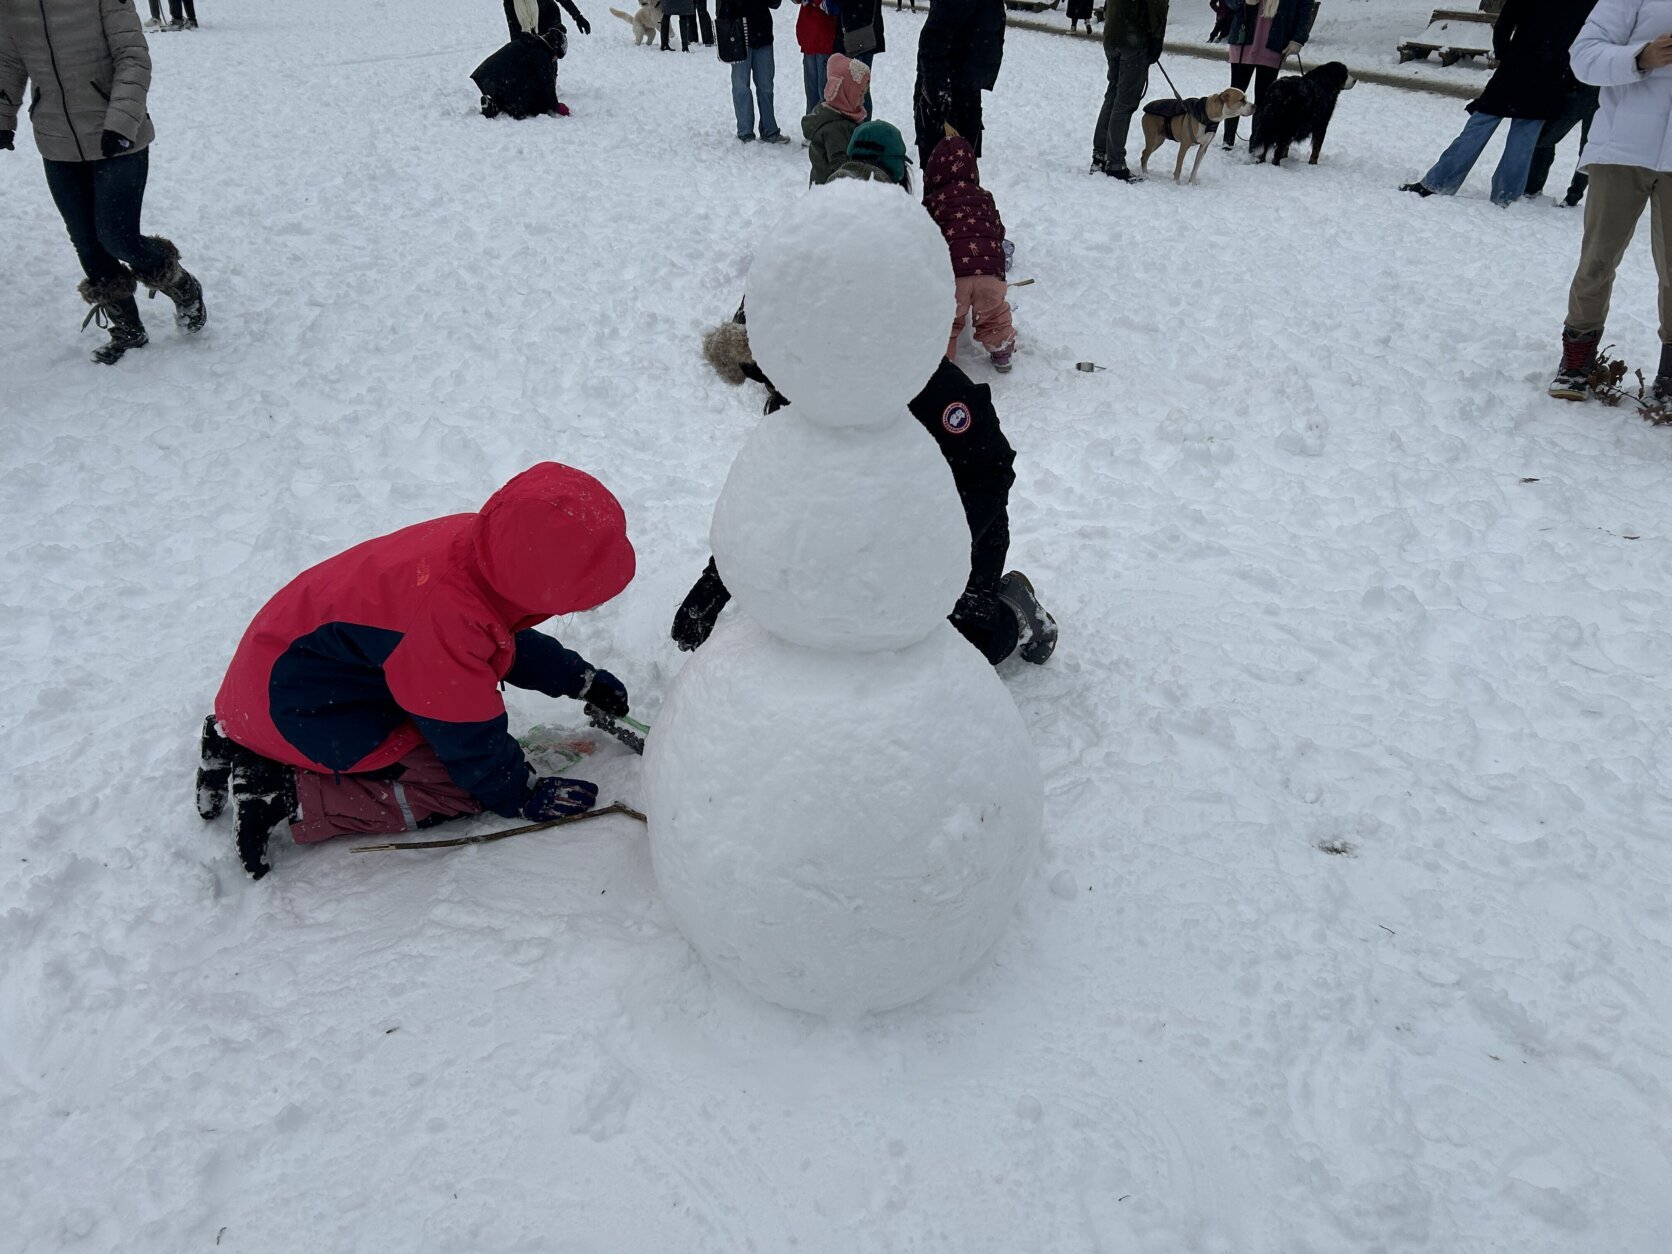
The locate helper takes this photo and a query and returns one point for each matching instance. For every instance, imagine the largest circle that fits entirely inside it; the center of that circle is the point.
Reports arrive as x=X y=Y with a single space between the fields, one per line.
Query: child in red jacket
x=364 y=697
x=967 y=216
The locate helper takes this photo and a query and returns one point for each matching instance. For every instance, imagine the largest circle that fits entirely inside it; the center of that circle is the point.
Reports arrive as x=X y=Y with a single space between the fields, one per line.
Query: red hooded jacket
x=963 y=209
x=406 y=638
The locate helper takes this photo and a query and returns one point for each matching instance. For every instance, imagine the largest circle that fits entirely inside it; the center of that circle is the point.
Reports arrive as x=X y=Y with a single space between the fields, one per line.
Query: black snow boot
x=176 y=282
x=1663 y=376
x=1579 y=358
x=214 y=769
x=264 y=800
x=1038 y=629
x=115 y=310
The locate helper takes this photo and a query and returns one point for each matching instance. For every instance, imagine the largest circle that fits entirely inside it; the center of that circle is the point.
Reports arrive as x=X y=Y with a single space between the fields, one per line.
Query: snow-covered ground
x=1353 y=925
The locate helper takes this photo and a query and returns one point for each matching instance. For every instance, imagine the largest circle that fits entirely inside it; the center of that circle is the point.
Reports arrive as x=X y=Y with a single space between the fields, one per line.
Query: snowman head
x=850 y=298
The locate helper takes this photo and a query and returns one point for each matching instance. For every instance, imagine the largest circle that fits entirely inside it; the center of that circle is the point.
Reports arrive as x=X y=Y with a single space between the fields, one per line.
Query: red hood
x=952 y=161
x=552 y=541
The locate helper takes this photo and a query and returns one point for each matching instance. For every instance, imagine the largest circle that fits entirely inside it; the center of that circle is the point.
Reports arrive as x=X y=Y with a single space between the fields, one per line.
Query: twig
x=486 y=837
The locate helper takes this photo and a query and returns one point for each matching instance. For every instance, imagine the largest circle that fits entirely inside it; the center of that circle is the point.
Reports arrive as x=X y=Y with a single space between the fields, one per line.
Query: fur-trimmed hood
x=726 y=348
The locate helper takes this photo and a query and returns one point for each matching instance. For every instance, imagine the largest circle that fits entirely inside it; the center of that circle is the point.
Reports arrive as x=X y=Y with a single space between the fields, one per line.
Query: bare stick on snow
x=486 y=837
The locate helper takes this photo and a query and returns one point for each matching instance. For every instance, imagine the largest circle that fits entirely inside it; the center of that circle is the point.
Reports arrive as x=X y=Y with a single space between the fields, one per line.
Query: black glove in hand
x=584 y=26
x=605 y=691
x=554 y=797
x=114 y=145
x=6 y=138
x=1154 y=51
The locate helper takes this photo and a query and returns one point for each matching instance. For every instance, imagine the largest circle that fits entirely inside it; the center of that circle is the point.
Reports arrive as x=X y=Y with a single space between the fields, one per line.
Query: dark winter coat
x=1079 y=10
x=756 y=19
x=521 y=78
x=828 y=133
x=1292 y=24
x=406 y=638
x=1531 y=42
x=91 y=72
x=858 y=16
x=1134 y=24
x=961 y=47
x=963 y=209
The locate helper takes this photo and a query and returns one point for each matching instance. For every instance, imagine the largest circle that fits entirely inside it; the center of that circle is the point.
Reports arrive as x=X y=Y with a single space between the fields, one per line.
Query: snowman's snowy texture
x=842 y=796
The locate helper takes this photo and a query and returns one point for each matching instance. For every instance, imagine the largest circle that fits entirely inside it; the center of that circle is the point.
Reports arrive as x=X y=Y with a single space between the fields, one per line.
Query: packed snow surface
x=1351 y=932
x=847 y=300
x=842 y=537
x=842 y=833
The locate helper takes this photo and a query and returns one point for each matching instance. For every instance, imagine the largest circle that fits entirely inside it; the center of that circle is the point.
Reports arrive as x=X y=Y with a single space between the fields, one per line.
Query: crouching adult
x=91 y=72
x=364 y=697
x=520 y=80
x=998 y=612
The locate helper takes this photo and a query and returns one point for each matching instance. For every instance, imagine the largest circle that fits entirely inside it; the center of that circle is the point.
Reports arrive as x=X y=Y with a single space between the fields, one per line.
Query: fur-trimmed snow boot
x=264 y=802
x=114 y=310
x=1039 y=629
x=1662 y=390
x=174 y=281
x=215 y=754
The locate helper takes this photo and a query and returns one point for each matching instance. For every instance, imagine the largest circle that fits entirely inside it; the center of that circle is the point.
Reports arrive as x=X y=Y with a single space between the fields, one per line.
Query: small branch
x=488 y=837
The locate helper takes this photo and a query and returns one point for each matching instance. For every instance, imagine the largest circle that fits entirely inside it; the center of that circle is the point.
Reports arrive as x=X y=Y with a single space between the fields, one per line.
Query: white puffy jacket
x=1633 y=126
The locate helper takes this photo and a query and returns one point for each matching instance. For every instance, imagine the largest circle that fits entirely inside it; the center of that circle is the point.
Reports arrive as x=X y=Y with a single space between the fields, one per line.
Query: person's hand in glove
x=1292 y=47
x=554 y=797
x=114 y=145
x=6 y=138
x=1153 y=50
x=582 y=25
x=605 y=691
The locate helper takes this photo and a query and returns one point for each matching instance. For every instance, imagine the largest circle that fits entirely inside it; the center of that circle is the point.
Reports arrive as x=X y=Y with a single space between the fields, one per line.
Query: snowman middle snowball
x=839 y=526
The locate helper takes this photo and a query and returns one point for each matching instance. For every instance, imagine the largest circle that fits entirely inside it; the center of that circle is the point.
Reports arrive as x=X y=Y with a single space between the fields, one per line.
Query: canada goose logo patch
x=956 y=418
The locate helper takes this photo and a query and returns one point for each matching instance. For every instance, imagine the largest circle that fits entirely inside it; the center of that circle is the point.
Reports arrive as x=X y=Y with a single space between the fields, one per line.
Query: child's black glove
x=554 y=797
x=605 y=691
x=696 y=615
x=6 y=138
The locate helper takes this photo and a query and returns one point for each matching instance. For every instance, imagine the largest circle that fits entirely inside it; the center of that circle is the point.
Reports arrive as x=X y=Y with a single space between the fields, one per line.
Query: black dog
x=1296 y=108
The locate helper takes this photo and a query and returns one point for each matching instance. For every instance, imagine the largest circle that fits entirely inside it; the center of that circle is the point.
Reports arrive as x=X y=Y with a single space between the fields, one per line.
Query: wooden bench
x=1456 y=35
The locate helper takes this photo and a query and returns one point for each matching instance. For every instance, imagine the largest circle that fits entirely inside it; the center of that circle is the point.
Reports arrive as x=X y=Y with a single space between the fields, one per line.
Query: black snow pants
x=100 y=202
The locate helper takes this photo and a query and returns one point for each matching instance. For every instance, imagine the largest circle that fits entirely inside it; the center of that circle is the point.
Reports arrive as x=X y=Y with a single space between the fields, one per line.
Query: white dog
x=646 y=23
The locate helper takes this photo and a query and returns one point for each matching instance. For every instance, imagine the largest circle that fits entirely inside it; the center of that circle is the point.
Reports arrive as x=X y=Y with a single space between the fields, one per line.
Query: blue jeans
x=814 y=68
x=1509 y=180
x=758 y=65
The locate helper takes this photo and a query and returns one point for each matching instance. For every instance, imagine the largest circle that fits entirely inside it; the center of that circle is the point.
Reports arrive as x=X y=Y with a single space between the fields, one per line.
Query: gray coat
x=90 y=71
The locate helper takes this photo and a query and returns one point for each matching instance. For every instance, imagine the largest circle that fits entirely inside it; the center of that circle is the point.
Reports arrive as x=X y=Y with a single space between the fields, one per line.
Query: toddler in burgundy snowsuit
x=967 y=216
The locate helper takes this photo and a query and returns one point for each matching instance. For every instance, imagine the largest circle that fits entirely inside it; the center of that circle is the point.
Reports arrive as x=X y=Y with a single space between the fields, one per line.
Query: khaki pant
x=1612 y=209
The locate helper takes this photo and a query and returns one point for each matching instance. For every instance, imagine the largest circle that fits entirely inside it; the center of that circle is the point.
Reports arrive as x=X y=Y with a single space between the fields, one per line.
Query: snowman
x=843 y=799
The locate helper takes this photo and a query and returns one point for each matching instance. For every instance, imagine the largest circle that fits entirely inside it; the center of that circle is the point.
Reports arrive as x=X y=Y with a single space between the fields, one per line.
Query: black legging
x=687 y=30
x=100 y=202
x=1263 y=76
x=173 y=9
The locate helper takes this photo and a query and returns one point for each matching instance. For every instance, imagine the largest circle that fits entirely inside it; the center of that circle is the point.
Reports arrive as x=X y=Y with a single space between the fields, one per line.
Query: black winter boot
x=176 y=282
x=214 y=769
x=115 y=310
x=1579 y=358
x=264 y=800
x=1663 y=376
x=1038 y=628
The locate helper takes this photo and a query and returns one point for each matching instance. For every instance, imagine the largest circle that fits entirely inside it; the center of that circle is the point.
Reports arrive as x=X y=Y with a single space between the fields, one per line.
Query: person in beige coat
x=88 y=70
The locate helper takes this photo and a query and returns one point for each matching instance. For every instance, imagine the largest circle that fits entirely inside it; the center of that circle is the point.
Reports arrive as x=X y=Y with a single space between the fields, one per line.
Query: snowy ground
x=1353 y=926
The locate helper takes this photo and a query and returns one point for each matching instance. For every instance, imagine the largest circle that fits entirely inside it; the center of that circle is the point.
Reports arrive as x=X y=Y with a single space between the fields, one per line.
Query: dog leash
x=1168 y=77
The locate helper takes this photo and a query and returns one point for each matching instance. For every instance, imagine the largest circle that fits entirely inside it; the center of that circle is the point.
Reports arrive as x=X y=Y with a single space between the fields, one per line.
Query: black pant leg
x=705 y=22
x=118 y=198
x=667 y=29
x=71 y=185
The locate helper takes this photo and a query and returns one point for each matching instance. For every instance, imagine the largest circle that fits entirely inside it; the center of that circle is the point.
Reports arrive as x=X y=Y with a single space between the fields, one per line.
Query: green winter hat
x=880 y=144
